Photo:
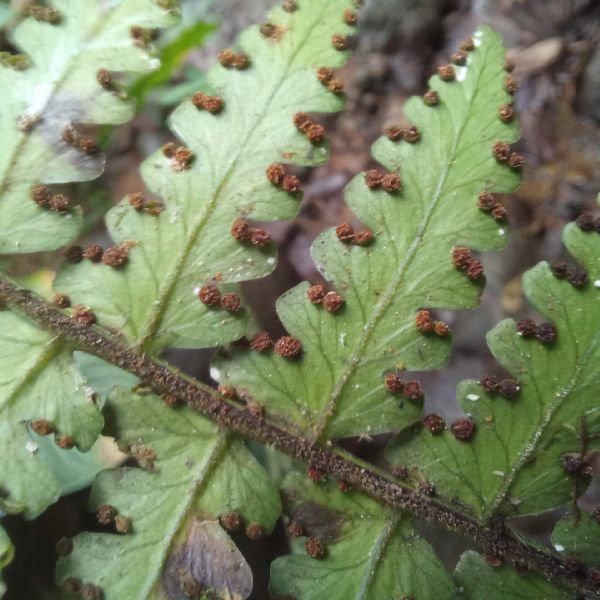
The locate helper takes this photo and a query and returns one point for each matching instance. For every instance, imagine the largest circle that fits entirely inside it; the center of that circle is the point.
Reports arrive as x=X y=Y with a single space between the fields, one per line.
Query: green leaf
x=60 y=88
x=153 y=301
x=578 y=535
x=514 y=460
x=199 y=473
x=39 y=380
x=480 y=581
x=6 y=556
x=336 y=388
x=372 y=553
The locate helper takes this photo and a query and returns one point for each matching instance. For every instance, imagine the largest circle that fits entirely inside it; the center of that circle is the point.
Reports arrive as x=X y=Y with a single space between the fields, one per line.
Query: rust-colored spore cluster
x=340 y=42
x=587 y=222
x=86 y=144
x=463 y=428
x=83 y=315
x=434 y=423
x=409 y=389
x=346 y=234
x=213 y=104
x=288 y=347
x=462 y=258
x=315 y=132
x=231 y=60
x=459 y=58
x=431 y=98
x=447 y=73
x=326 y=76
x=426 y=324
x=488 y=204
x=278 y=176
x=210 y=296
x=261 y=342
x=390 y=182
x=509 y=388
x=545 y=332
x=242 y=232
x=116 y=256
x=315 y=548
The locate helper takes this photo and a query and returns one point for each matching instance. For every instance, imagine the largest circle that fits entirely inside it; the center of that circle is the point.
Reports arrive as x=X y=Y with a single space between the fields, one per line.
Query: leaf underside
x=578 y=535
x=199 y=473
x=371 y=553
x=39 y=380
x=514 y=461
x=153 y=301
x=336 y=388
x=58 y=89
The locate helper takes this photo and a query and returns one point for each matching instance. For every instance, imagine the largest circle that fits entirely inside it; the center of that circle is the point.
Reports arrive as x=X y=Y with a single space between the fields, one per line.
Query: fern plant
x=525 y=446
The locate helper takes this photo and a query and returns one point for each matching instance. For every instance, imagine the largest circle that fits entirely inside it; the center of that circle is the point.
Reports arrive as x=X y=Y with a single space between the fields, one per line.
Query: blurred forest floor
x=555 y=47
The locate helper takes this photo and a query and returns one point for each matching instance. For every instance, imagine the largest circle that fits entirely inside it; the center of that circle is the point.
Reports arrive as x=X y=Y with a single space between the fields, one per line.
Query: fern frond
x=40 y=387
x=577 y=535
x=193 y=473
x=367 y=552
x=338 y=386
x=63 y=80
x=232 y=139
x=529 y=452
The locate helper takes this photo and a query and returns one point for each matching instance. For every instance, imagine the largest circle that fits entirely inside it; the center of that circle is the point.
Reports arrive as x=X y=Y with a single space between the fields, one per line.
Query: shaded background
x=555 y=46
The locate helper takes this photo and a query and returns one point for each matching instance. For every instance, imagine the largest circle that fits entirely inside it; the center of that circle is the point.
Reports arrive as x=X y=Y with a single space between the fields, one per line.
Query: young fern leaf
x=529 y=453
x=193 y=473
x=478 y=580
x=577 y=535
x=337 y=387
x=40 y=387
x=368 y=552
x=235 y=136
x=63 y=80
x=6 y=554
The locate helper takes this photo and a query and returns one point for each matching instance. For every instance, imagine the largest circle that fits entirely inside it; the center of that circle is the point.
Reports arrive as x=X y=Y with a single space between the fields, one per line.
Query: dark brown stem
x=491 y=538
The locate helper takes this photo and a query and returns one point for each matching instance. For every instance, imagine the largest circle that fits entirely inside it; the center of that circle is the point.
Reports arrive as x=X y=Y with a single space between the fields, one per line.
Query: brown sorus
x=391 y=182
x=42 y=427
x=316 y=475
x=475 y=270
x=74 y=254
x=88 y=145
x=231 y=302
x=231 y=521
x=269 y=30
x=489 y=383
x=340 y=42
x=227 y=390
x=316 y=293
x=560 y=270
x=546 y=333
x=343 y=485
x=324 y=74
x=137 y=200
x=289 y=5
x=509 y=65
x=315 y=133
x=467 y=45
x=64 y=546
x=509 y=388
x=59 y=203
x=571 y=463
x=412 y=390
x=447 y=73
x=412 y=134
x=336 y=86
x=423 y=321
x=510 y=84
x=295 y=529
x=373 y=178
x=344 y=232
x=431 y=98
x=516 y=160
x=459 y=58
x=288 y=347
x=400 y=472
x=44 y=14
x=122 y=524
x=506 y=113
x=226 y=57
x=291 y=183
x=83 y=315
x=256 y=409
x=66 y=442
x=393 y=383
x=350 y=17
x=241 y=62
x=210 y=295
x=302 y=121
x=441 y=329
x=106 y=514
x=586 y=222
x=315 y=548
x=501 y=151
x=240 y=230
x=276 y=173
x=62 y=300
x=171 y=400
x=93 y=253
x=258 y=237
x=144 y=456
x=168 y=149
x=183 y=157
x=434 y=423
x=461 y=257
x=41 y=195
x=332 y=302
x=254 y=531
x=577 y=277
x=212 y=104
x=527 y=328
x=394 y=132
x=486 y=201
x=463 y=428
x=499 y=212
x=116 y=256
x=363 y=238
x=261 y=341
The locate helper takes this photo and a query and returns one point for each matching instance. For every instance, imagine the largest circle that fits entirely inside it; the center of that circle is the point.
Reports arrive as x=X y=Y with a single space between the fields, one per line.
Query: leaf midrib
x=329 y=413
x=162 y=304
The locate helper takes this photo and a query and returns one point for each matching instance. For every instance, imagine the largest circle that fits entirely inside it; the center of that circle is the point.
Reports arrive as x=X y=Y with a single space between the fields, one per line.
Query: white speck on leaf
x=472 y=397
x=31 y=447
